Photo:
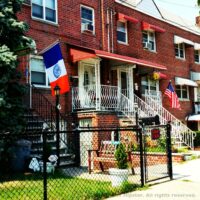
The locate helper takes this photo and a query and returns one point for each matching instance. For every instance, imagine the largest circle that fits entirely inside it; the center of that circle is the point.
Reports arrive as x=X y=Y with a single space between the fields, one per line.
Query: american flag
x=172 y=96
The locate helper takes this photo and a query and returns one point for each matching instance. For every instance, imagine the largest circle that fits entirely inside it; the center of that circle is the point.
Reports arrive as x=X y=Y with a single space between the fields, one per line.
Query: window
x=45 y=10
x=148 y=40
x=38 y=73
x=122 y=32
x=196 y=56
x=150 y=85
x=87 y=19
x=180 y=50
x=182 y=91
x=86 y=78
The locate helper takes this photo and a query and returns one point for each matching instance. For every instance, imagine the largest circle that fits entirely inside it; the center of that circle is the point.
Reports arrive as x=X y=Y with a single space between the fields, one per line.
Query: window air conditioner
x=147 y=45
x=87 y=27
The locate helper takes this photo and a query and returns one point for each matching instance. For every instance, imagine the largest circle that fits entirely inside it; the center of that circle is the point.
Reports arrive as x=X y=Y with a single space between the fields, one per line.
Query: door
x=125 y=81
x=87 y=85
x=85 y=142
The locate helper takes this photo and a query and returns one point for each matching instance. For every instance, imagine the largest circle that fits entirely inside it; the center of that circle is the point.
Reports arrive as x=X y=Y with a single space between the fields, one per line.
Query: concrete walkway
x=185 y=186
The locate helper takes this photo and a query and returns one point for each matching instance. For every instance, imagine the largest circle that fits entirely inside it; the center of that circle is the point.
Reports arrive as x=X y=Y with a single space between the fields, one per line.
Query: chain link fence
x=32 y=166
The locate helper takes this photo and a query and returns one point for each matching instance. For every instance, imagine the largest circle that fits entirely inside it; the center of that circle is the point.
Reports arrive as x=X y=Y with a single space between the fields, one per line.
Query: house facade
x=120 y=57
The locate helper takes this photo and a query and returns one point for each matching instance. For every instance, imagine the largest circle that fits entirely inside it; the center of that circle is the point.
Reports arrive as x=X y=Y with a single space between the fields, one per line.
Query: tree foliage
x=12 y=40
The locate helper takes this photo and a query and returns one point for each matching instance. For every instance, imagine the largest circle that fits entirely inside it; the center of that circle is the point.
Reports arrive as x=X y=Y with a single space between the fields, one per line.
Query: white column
x=98 y=84
x=130 y=83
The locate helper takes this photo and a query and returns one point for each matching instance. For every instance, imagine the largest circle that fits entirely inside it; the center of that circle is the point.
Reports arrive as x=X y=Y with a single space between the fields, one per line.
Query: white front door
x=85 y=142
x=125 y=81
x=87 y=84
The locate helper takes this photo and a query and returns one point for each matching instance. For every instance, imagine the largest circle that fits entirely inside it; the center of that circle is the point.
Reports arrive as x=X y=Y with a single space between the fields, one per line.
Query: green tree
x=12 y=41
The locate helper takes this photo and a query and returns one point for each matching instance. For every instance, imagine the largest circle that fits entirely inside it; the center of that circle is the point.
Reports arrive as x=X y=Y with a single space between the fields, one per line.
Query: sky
x=185 y=8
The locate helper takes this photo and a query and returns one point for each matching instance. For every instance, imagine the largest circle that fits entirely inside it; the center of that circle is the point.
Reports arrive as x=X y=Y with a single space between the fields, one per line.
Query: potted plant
x=120 y=174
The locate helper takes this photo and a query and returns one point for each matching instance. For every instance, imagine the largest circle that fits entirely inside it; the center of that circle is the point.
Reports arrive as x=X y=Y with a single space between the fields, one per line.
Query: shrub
x=121 y=157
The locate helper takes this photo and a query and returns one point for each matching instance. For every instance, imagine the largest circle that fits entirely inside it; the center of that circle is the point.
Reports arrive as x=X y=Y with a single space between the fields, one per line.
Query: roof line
x=157 y=8
x=161 y=19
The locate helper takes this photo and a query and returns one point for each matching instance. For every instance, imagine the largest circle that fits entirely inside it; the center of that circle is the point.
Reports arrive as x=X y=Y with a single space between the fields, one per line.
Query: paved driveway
x=185 y=186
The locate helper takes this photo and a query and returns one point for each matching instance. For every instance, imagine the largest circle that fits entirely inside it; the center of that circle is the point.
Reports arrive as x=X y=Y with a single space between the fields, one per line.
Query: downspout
x=29 y=79
x=102 y=25
x=108 y=29
x=112 y=39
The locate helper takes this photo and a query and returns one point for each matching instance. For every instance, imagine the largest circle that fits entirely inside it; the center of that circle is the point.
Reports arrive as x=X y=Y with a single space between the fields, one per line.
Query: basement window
x=45 y=10
x=38 y=75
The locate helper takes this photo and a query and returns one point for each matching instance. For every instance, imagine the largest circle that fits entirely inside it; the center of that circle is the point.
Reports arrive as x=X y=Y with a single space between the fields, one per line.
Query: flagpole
x=49 y=47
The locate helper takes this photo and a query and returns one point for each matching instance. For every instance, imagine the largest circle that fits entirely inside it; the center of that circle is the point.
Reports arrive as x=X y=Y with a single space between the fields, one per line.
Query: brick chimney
x=198 y=21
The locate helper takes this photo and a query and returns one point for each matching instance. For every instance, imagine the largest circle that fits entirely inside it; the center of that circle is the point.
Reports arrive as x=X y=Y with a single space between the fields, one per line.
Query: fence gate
x=157 y=152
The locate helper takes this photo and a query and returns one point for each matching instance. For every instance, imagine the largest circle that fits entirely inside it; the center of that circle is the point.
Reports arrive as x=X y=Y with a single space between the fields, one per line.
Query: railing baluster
x=44 y=108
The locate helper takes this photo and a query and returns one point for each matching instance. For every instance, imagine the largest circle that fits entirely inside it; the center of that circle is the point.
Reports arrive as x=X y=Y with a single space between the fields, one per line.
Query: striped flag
x=172 y=96
x=55 y=68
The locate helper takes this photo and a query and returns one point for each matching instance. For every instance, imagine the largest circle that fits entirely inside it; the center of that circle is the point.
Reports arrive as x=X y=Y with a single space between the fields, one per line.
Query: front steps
x=34 y=128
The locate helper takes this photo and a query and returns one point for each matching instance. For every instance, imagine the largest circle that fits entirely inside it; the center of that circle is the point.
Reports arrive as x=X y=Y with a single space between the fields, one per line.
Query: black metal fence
x=157 y=152
x=29 y=167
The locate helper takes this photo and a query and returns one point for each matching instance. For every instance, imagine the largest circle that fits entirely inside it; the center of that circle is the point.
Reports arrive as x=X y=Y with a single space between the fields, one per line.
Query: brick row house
x=120 y=57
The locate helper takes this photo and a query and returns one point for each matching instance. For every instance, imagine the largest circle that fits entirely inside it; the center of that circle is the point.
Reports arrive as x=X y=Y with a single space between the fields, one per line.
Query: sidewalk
x=185 y=186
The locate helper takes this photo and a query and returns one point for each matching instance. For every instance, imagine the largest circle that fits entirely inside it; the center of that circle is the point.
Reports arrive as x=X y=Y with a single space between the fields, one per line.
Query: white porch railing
x=111 y=98
x=155 y=95
x=87 y=98
x=180 y=132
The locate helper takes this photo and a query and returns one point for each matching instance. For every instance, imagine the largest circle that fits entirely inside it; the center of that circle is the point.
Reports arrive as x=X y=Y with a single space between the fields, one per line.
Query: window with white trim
x=45 y=10
x=38 y=74
x=180 y=50
x=122 y=36
x=182 y=92
x=196 y=56
x=87 y=19
x=150 y=85
x=148 y=40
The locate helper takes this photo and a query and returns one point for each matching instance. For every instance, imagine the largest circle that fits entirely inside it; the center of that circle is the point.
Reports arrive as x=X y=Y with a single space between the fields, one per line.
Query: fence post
x=76 y=140
x=57 y=130
x=141 y=156
x=44 y=137
x=169 y=151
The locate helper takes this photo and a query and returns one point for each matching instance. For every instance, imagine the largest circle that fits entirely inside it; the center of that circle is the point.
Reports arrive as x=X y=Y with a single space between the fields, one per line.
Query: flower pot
x=187 y=157
x=118 y=176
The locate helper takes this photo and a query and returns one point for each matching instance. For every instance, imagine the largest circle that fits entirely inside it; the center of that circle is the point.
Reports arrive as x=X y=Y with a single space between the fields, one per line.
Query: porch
x=104 y=81
x=108 y=98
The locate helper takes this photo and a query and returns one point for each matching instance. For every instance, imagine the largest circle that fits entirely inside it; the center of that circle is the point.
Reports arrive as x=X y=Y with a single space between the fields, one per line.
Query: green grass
x=60 y=187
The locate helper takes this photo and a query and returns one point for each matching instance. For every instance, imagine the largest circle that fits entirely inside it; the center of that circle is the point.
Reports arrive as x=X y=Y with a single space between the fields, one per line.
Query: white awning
x=178 y=40
x=195 y=76
x=193 y=118
x=184 y=81
x=196 y=46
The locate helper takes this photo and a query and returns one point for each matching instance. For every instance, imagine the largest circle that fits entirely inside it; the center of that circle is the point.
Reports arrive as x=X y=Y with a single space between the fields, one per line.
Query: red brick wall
x=152 y=159
x=104 y=120
x=68 y=31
